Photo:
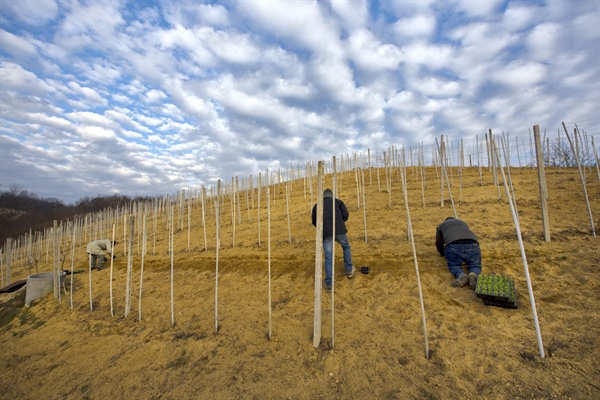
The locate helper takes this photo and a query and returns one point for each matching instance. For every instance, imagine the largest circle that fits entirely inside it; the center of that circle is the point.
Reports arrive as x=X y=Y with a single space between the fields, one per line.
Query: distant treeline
x=21 y=211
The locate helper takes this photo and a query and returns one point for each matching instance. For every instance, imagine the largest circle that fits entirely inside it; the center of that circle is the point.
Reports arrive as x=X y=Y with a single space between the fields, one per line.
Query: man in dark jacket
x=341 y=216
x=458 y=243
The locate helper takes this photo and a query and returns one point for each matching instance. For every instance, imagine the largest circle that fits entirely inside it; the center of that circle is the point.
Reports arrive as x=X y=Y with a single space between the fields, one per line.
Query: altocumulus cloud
x=146 y=98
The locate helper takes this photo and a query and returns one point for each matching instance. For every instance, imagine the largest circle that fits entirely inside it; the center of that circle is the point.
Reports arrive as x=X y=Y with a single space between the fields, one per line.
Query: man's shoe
x=460 y=281
x=351 y=274
x=327 y=287
x=473 y=280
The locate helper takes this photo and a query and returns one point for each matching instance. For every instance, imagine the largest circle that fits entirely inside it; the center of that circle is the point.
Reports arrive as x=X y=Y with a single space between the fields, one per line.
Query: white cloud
x=16 y=46
x=354 y=13
x=542 y=41
x=429 y=55
x=416 y=26
x=478 y=8
x=31 y=12
x=303 y=23
x=90 y=95
x=155 y=96
x=432 y=86
x=518 y=74
x=519 y=16
x=13 y=76
x=122 y=89
x=94 y=133
x=366 y=50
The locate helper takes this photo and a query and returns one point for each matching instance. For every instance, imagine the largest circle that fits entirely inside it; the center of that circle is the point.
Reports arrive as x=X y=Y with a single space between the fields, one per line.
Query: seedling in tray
x=497 y=290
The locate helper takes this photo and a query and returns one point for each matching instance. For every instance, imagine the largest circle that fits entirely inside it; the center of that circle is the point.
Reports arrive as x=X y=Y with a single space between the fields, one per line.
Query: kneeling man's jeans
x=469 y=253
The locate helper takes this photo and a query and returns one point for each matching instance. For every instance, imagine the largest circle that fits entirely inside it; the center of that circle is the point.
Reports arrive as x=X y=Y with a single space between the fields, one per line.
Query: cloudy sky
x=147 y=97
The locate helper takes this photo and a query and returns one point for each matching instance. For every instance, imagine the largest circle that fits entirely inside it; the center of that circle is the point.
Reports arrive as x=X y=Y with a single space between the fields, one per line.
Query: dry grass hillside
x=52 y=351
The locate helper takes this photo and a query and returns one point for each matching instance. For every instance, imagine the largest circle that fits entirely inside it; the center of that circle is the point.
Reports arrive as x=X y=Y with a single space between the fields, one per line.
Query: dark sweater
x=341 y=215
x=453 y=230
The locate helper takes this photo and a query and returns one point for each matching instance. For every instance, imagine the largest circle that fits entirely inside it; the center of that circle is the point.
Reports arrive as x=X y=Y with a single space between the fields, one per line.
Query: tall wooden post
x=542 y=183
x=318 y=258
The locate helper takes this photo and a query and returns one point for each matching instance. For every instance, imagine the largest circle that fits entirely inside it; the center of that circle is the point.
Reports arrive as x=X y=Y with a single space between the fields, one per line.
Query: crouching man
x=96 y=251
x=458 y=243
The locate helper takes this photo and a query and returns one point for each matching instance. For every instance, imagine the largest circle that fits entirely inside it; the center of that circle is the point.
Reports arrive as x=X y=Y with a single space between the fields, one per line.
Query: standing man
x=96 y=249
x=458 y=243
x=331 y=205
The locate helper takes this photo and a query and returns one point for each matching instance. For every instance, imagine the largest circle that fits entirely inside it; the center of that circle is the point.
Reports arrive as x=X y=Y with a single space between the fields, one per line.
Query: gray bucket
x=39 y=285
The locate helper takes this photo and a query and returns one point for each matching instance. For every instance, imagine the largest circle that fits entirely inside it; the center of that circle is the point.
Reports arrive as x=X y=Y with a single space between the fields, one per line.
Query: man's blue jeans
x=469 y=253
x=342 y=239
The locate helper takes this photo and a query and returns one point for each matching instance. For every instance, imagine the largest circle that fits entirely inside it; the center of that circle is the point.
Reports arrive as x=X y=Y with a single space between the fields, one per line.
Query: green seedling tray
x=496 y=290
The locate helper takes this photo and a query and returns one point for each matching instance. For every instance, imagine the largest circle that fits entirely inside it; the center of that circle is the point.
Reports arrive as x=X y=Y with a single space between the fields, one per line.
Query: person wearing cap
x=331 y=205
x=455 y=241
x=96 y=251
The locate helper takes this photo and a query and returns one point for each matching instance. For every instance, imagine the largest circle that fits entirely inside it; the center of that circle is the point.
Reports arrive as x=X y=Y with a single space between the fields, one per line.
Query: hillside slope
x=53 y=351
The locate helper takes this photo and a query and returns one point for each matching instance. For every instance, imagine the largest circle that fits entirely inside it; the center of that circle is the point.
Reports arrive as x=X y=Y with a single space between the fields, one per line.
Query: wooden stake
x=287 y=210
x=72 y=261
x=414 y=250
x=112 y=256
x=172 y=268
x=269 y=253
x=542 y=183
x=142 y=267
x=130 y=266
x=596 y=156
x=523 y=255
x=318 y=258
x=218 y=227
x=445 y=174
x=334 y=183
x=587 y=200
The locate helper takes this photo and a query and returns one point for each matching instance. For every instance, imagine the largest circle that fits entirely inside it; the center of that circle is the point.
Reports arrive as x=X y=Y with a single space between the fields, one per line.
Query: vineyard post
x=364 y=203
x=269 y=249
x=530 y=149
x=55 y=258
x=414 y=250
x=460 y=171
x=378 y=179
x=487 y=148
x=523 y=255
x=2 y=251
x=587 y=200
x=445 y=174
x=233 y=210
x=441 y=151
x=90 y=279
x=318 y=258
x=258 y=208
x=422 y=170
x=218 y=227
x=247 y=186
x=144 y=227
x=334 y=185
x=130 y=265
x=287 y=210
x=239 y=208
x=72 y=261
x=112 y=256
x=189 y=222
x=370 y=167
x=542 y=183
x=596 y=157
x=172 y=238
x=203 y=202
x=512 y=191
x=357 y=180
